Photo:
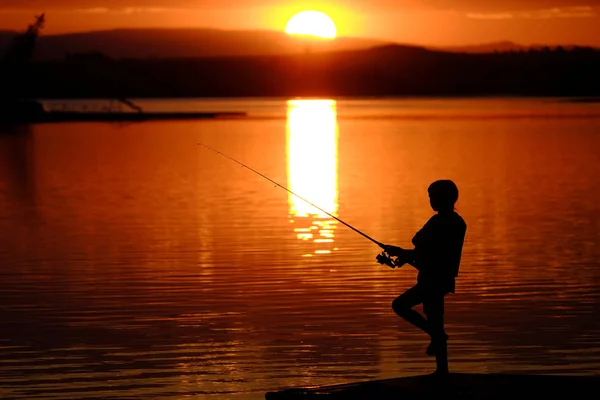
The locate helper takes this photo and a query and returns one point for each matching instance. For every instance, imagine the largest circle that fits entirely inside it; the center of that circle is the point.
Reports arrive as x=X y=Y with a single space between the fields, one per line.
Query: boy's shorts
x=432 y=299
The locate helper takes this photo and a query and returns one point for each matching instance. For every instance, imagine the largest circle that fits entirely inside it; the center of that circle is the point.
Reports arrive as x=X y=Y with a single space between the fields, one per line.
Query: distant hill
x=185 y=43
x=5 y=38
x=499 y=47
x=390 y=70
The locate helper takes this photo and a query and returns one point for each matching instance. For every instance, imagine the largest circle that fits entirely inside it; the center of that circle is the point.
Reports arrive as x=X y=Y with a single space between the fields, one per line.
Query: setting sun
x=312 y=23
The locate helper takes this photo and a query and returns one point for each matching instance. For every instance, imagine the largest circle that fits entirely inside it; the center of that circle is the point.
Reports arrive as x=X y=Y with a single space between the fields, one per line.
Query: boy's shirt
x=438 y=249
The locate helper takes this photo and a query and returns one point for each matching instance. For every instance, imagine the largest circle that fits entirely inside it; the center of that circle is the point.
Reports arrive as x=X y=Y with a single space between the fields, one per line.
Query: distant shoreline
x=385 y=71
x=592 y=99
x=562 y=99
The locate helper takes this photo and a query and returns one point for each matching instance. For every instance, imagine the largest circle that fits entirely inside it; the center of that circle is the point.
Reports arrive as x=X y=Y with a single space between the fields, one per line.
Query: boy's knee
x=401 y=306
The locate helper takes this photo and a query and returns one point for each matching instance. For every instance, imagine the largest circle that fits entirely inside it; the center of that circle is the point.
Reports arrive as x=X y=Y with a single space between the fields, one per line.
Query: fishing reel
x=385 y=259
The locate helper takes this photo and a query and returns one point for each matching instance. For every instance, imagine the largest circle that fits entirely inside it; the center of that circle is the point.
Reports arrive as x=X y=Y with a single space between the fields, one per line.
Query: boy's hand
x=393 y=251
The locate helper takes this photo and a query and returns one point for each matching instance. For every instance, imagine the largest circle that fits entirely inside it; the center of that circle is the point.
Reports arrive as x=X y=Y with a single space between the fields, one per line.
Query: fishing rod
x=297 y=195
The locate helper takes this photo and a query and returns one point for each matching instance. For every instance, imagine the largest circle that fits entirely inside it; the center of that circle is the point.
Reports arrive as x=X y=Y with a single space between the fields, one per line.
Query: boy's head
x=442 y=195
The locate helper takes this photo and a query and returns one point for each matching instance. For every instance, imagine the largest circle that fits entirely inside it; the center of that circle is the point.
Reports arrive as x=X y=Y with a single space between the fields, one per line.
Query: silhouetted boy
x=437 y=252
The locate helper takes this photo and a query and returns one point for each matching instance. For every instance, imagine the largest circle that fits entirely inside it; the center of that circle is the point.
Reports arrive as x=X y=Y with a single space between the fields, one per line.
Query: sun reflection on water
x=312 y=166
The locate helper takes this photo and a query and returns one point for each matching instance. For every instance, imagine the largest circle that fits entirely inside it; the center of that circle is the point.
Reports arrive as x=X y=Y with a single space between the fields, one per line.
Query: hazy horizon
x=283 y=34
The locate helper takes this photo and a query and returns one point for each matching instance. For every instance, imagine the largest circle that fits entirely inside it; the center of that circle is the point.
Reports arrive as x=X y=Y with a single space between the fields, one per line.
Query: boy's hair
x=444 y=191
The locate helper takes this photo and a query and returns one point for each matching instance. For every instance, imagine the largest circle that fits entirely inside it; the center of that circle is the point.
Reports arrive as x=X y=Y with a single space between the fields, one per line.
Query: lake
x=137 y=264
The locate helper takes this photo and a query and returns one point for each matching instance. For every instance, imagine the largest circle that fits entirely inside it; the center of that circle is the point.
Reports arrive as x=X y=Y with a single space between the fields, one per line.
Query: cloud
x=96 y=10
x=121 y=11
x=125 y=10
x=103 y=6
x=565 y=12
x=490 y=15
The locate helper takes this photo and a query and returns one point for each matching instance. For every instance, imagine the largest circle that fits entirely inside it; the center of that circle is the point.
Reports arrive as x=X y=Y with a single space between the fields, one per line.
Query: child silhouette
x=437 y=253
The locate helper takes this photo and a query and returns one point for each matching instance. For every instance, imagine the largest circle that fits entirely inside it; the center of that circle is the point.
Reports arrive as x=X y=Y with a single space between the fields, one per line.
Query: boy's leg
x=439 y=338
x=404 y=303
x=436 y=324
x=441 y=360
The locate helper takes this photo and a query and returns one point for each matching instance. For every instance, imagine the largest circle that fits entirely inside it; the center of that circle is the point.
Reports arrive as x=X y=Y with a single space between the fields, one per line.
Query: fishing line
x=295 y=194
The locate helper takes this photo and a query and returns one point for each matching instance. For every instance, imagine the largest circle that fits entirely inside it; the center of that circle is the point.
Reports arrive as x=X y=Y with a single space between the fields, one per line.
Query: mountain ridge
x=391 y=70
x=187 y=43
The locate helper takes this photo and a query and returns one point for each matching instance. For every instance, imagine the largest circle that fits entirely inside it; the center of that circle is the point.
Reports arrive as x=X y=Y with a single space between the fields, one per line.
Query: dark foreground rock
x=459 y=386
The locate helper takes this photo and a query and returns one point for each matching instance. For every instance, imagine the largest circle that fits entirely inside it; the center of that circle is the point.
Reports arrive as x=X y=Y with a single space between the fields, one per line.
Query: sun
x=311 y=23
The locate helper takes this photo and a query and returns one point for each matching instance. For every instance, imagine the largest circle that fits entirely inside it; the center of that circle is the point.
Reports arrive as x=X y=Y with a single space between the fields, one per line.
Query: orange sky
x=430 y=22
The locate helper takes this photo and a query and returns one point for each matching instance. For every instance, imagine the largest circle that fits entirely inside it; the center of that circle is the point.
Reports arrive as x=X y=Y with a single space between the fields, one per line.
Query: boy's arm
x=427 y=233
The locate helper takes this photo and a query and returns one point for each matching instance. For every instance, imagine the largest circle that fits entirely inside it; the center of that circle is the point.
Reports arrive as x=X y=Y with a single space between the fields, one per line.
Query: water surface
x=136 y=264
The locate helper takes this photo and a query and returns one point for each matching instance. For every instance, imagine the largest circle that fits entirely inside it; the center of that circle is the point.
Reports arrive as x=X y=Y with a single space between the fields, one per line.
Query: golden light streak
x=312 y=164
